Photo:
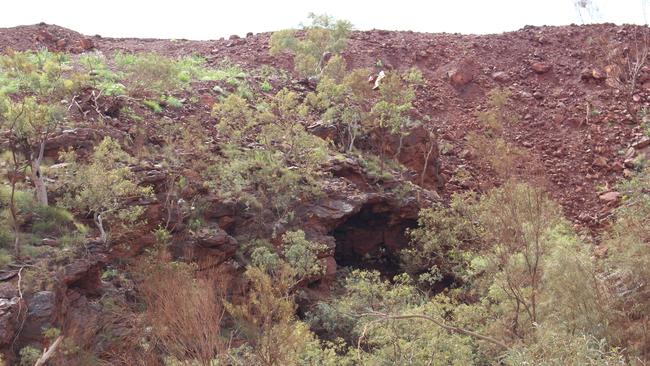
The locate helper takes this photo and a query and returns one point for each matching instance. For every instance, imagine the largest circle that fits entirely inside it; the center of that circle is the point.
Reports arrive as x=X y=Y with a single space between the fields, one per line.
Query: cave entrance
x=372 y=239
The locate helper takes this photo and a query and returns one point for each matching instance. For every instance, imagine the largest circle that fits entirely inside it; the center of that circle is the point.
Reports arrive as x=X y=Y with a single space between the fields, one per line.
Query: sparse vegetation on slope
x=358 y=209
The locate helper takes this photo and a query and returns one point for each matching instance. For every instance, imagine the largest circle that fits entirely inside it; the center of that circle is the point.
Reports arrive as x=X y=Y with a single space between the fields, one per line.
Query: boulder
x=611 y=196
x=207 y=100
x=641 y=144
x=83 y=275
x=540 y=67
x=600 y=162
x=40 y=315
x=462 y=73
x=501 y=76
x=213 y=237
x=9 y=308
x=592 y=74
x=77 y=138
x=86 y=44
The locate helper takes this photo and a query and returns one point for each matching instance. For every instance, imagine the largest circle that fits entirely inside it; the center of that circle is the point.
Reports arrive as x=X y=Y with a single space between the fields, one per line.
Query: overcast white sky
x=194 y=19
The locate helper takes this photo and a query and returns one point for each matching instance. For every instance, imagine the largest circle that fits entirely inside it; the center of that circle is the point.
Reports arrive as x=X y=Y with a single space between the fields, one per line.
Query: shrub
x=32 y=86
x=321 y=36
x=442 y=237
x=41 y=73
x=280 y=165
x=388 y=115
x=153 y=106
x=184 y=312
x=343 y=103
x=505 y=159
x=266 y=319
x=266 y=86
x=362 y=313
x=149 y=74
x=519 y=221
x=628 y=267
x=101 y=76
x=51 y=220
x=302 y=254
x=5 y=257
x=559 y=348
x=101 y=187
x=29 y=355
x=172 y=102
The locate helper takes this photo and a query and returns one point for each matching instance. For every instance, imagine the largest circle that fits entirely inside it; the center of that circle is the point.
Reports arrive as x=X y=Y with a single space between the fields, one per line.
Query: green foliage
x=281 y=168
x=413 y=76
x=521 y=225
x=29 y=117
x=36 y=222
x=102 y=187
x=163 y=236
x=298 y=257
x=559 y=348
x=321 y=36
x=172 y=101
x=24 y=199
x=227 y=71
x=497 y=115
x=51 y=220
x=441 y=238
x=266 y=318
x=101 y=76
x=393 y=341
x=52 y=333
x=5 y=257
x=302 y=254
x=372 y=166
x=260 y=179
x=346 y=102
x=29 y=355
x=236 y=119
x=343 y=102
x=388 y=115
x=153 y=75
x=41 y=73
x=629 y=267
x=503 y=157
x=149 y=73
x=576 y=299
x=30 y=121
x=526 y=280
x=153 y=106
x=266 y=86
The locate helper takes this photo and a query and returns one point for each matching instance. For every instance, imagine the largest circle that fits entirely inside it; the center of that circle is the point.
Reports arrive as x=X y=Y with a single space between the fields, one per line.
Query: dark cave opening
x=371 y=239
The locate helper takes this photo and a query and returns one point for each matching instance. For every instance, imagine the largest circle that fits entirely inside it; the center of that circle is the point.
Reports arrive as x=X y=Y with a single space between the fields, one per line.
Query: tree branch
x=48 y=352
x=446 y=327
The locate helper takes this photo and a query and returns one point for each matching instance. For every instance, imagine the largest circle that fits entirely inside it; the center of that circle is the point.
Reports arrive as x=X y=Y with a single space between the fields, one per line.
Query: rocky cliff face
x=573 y=116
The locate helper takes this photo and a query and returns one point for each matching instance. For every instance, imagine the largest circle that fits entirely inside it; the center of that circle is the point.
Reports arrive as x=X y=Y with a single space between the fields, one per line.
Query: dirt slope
x=576 y=125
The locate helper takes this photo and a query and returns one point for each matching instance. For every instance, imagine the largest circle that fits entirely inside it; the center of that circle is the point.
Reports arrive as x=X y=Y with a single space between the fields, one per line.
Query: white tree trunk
x=49 y=352
x=100 y=225
x=38 y=178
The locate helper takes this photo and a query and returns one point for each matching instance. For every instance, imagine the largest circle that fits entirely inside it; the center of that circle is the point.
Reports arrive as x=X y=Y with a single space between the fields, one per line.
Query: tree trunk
x=353 y=135
x=399 y=147
x=12 y=205
x=382 y=151
x=49 y=352
x=14 y=216
x=427 y=156
x=100 y=225
x=37 y=177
